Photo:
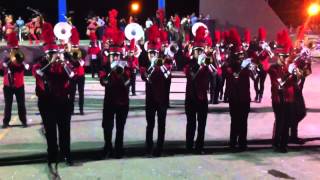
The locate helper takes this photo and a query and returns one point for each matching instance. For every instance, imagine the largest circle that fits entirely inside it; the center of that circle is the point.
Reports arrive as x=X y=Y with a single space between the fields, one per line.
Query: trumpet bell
x=62 y=31
x=134 y=31
x=197 y=25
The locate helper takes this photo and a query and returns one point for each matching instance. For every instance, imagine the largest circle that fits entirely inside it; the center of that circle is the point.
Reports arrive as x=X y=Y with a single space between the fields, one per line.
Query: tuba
x=62 y=31
x=196 y=26
x=134 y=31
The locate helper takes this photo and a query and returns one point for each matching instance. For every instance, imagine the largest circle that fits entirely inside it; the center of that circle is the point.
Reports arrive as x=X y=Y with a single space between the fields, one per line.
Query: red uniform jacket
x=197 y=85
x=239 y=88
x=58 y=81
x=116 y=92
x=40 y=85
x=156 y=87
x=17 y=74
x=93 y=53
x=277 y=71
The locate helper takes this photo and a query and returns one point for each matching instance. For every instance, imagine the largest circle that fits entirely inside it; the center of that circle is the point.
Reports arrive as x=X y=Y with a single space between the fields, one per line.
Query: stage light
x=135 y=7
x=313 y=9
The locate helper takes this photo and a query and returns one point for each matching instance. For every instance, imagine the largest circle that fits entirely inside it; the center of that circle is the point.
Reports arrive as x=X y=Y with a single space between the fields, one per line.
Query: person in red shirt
x=261 y=57
x=79 y=69
x=198 y=73
x=13 y=81
x=53 y=89
x=238 y=79
x=133 y=54
x=282 y=93
x=94 y=54
x=115 y=77
x=155 y=73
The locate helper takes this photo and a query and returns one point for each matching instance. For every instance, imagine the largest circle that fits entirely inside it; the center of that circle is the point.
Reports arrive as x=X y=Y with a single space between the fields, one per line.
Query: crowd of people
x=210 y=64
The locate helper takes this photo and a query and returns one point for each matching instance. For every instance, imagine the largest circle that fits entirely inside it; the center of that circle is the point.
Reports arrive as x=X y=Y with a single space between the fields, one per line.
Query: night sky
x=288 y=10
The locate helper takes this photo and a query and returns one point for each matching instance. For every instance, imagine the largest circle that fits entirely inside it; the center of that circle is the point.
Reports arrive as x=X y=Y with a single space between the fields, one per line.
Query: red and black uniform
x=115 y=76
x=13 y=84
x=116 y=106
x=282 y=103
x=59 y=114
x=94 y=56
x=196 y=102
x=53 y=90
x=239 y=103
x=78 y=82
x=41 y=89
x=79 y=70
x=156 y=102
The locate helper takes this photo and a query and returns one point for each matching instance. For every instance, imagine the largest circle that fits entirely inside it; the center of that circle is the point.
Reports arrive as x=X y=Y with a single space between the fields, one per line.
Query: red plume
x=118 y=38
x=301 y=30
x=235 y=39
x=247 y=36
x=113 y=18
x=12 y=40
x=74 y=39
x=161 y=14
x=217 y=37
x=163 y=36
x=287 y=41
x=132 y=45
x=200 y=38
x=262 y=34
x=154 y=37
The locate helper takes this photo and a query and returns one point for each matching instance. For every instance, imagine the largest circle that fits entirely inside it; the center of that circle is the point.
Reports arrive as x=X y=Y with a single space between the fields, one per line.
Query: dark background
x=290 y=11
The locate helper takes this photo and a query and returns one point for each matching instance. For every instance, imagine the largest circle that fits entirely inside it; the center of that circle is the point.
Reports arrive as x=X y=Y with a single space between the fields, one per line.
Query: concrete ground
x=23 y=150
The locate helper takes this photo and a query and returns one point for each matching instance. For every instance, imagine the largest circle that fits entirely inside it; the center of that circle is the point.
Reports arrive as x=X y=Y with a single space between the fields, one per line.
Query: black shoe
x=215 y=102
x=157 y=153
x=134 y=94
x=260 y=98
x=24 y=125
x=69 y=161
x=107 y=152
x=4 y=126
x=242 y=148
x=281 y=150
x=81 y=113
x=297 y=140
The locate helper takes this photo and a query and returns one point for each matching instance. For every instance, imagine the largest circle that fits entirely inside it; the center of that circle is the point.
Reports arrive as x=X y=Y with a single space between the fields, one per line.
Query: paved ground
x=22 y=151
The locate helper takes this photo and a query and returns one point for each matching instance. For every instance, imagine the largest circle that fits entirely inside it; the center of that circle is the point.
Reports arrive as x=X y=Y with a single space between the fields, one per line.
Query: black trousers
x=259 y=82
x=78 y=82
x=239 y=112
x=284 y=115
x=196 y=112
x=133 y=74
x=216 y=87
x=120 y=113
x=8 y=99
x=151 y=111
x=57 y=116
x=94 y=67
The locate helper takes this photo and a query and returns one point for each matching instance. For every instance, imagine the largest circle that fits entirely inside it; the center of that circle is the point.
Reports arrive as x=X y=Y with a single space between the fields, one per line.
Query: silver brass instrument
x=265 y=47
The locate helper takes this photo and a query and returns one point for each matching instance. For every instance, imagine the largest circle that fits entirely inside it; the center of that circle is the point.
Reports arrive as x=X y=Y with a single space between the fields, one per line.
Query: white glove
x=39 y=72
x=4 y=64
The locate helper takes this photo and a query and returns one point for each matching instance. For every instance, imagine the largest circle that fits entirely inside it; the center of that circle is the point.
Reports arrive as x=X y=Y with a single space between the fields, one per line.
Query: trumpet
x=160 y=63
x=265 y=47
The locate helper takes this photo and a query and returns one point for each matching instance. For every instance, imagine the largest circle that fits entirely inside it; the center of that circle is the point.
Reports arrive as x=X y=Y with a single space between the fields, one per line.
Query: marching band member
x=155 y=73
x=115 y=77
x=94 y=54
x=78 y=64
x=197 y=71
x=238 y=78
x=9 y=25
x=133 y=63
x=282 y=94
x=53 y=78
x=13 y=80
x=216 y=79
x=263 y=53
